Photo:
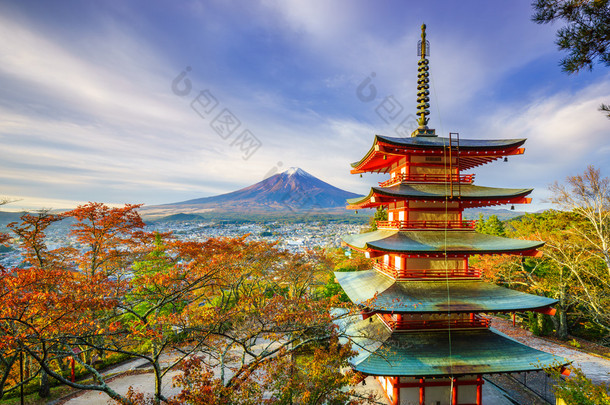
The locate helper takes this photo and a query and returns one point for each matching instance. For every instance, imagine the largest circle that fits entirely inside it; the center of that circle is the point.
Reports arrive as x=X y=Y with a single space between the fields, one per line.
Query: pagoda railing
x=409 y=324
x=427 y=224
x=397 y=273
x=429 y=178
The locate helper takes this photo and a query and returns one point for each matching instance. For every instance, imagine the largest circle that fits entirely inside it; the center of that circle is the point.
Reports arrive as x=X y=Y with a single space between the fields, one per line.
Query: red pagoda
x=422 y=332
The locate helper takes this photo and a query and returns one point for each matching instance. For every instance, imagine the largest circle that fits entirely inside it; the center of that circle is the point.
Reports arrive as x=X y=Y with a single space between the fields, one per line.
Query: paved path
x=594 y=367
x=140 y=382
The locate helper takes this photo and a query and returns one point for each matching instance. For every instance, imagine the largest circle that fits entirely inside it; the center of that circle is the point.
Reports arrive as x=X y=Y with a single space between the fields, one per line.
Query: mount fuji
x=293 y=191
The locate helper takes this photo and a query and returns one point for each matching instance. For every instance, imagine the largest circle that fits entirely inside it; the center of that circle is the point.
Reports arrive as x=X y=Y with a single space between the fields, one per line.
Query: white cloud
x=565 y=133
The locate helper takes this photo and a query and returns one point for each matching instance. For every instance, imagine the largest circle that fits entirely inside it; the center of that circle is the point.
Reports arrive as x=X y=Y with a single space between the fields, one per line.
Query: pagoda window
x=391 y=216
x=432 y=160
x=451 y=205
x=386 y=259
x=434 y=216
x=435 y=264
x=401 y=215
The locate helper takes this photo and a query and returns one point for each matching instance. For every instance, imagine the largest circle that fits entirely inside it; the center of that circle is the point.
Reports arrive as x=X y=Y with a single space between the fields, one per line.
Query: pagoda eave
x=465 y=202
x=442 y=243
x=442 y=353
x=384 y=154
x=372 y=253
x=380 y=293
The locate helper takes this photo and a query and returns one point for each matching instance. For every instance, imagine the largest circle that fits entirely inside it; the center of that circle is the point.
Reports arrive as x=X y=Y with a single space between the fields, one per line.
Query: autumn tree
x=555 y=274
x=274 y=324
x=318 y=376
x=20 y=284
x=49 y=304
x=577 y=388
x=588 y=197
x=245 y=308
x=575 y=267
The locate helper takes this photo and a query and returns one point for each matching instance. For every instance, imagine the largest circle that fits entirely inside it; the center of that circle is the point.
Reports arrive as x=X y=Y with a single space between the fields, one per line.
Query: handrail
x=429 y=178
x=427 y=224
x=395 y=272
x=404 y=324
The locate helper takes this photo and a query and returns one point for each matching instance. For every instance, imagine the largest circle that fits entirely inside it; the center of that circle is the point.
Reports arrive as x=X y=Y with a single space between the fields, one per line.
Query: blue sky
x=92 y=107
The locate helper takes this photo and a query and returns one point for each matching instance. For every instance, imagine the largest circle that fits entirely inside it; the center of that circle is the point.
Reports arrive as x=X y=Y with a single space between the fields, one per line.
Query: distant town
x=293 y=237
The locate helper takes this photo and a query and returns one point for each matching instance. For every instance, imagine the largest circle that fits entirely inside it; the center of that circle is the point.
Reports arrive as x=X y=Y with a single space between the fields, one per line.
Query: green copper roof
x=453 y=242
x=377 y=291
x=441 y=191
x=442 y=353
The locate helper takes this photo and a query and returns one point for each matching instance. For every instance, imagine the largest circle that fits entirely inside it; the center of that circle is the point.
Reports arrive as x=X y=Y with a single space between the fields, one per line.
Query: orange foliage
x=124 y=290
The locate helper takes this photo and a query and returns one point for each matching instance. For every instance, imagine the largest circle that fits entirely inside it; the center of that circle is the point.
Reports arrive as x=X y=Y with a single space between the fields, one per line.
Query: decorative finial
x=423 y=50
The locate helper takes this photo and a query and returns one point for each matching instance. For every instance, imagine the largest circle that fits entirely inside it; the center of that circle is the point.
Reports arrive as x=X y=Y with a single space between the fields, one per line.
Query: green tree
x=586 y=35
x=381 y=214
x=491 y=226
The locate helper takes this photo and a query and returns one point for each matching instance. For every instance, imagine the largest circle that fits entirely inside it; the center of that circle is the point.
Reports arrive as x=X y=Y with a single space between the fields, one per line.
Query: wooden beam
x=546 y=311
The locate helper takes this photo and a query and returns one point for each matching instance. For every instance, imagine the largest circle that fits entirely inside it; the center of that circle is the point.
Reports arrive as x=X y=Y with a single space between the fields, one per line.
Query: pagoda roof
x=453 y=242
x=387 y=150
x=381 y=293
x=441 y=353
x=473 y=196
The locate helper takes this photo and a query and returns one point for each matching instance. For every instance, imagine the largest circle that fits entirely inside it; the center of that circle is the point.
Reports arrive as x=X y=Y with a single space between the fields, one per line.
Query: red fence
x=427 y=273
x=404 y=324
x=429 y=178
x=427 y=224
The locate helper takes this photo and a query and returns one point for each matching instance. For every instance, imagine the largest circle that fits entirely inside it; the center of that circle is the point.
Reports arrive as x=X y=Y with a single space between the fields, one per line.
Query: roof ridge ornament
x=423 y=94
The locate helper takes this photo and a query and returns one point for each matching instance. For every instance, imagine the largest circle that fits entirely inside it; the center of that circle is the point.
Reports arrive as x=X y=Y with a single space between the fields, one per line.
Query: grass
x=57 y=389
x=34 y=399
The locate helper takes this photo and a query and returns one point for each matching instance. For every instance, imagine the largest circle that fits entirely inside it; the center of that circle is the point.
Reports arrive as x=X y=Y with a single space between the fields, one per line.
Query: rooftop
x=441 y=353
x=388 y=150
x=384 y=294
x=475 y=195
x=452 y=242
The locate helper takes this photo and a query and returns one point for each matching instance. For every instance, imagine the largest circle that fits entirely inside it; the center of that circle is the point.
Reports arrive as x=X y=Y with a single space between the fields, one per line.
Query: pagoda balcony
x=400 y=225
x=428 y=178
x=475 y=322
x=401 y=274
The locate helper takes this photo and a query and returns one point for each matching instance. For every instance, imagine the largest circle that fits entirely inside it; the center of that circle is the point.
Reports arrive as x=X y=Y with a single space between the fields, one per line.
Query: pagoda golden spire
x=423 y=95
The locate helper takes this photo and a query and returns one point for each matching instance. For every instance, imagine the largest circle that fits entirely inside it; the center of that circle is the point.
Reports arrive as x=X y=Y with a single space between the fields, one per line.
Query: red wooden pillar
x=422 y=392
x=395 y=391
x=454 y=392
x=514 y=318
x=479 y=389
x=72 y=377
